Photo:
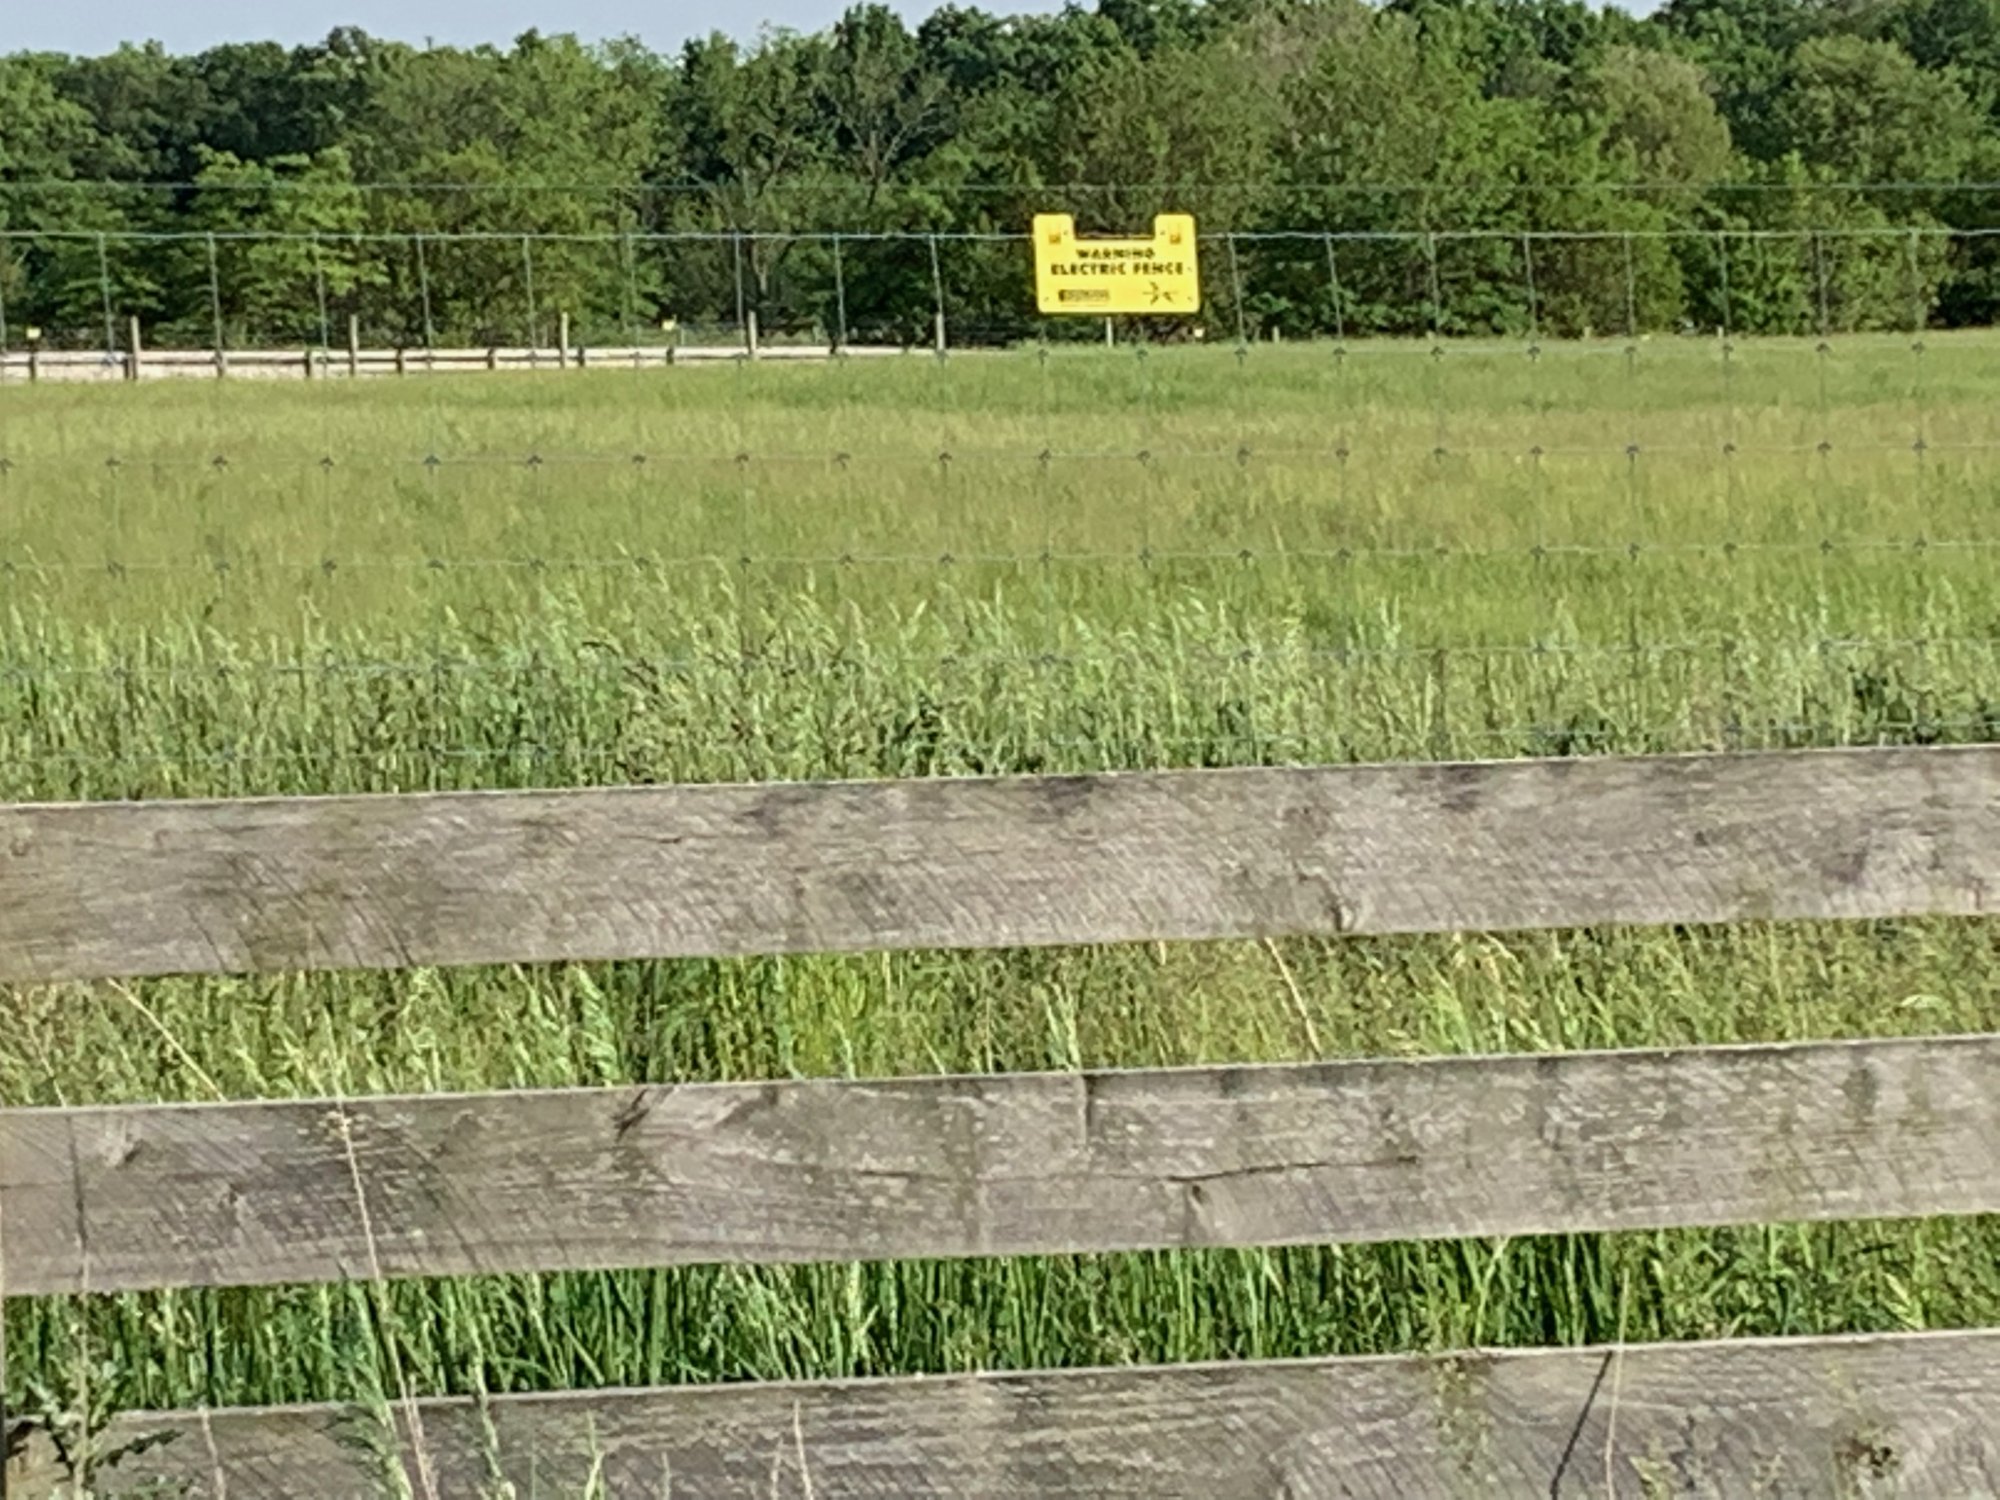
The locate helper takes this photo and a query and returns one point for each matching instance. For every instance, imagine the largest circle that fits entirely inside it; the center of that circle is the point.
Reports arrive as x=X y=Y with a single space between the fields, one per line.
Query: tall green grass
x=994 y=564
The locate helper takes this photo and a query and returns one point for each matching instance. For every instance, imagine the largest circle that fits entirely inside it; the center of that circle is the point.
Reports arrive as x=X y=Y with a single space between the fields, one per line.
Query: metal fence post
x=215 y=309
x=1236 y=288
x=839 y=299
x=743 y=322
x=937 y=293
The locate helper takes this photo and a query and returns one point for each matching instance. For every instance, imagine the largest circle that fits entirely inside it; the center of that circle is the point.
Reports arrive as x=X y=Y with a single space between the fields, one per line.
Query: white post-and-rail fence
x=239 y=1194
x=136 y=361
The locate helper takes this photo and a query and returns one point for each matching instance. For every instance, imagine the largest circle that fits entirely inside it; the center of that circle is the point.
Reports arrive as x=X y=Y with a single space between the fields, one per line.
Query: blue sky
x=189 y=25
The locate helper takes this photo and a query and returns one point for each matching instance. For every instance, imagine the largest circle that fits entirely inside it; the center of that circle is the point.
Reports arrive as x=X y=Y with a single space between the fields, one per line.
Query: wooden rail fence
x=136 y=363
x=165 y=1196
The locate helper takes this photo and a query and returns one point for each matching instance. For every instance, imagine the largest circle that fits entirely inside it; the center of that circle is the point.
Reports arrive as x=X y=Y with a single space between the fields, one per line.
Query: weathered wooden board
x=1916 y=1417
x=209 y=1195
x=101 y=889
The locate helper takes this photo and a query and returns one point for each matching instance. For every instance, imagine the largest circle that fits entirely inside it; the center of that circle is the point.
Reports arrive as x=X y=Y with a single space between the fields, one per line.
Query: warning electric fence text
x=1156 y=276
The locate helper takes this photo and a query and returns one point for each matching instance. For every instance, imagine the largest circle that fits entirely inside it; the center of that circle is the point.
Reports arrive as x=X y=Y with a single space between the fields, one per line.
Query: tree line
x=1464 y=166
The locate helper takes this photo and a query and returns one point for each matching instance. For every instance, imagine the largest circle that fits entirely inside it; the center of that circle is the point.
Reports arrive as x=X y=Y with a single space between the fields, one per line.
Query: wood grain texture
x=95 y=890
x=212 y=1195
x=30 y=1461
x=1916 y=1417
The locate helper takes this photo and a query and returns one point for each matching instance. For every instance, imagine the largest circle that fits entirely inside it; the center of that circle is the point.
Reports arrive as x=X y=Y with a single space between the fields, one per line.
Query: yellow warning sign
x=1106 y=276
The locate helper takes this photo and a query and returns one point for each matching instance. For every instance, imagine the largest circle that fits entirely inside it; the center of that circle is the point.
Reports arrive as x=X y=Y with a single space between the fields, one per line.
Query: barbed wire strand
x=1217 y=240
x=1243 y=452
x=19 y=187
x=745 y=563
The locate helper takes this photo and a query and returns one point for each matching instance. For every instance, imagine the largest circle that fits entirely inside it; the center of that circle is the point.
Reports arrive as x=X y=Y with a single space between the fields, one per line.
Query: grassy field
x=990 y=564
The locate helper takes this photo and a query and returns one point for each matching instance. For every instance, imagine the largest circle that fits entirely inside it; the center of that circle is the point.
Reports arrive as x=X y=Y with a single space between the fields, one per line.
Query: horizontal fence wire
x=1242 y=454
x=1022 y=237
x=730 y=561
x=86 y=187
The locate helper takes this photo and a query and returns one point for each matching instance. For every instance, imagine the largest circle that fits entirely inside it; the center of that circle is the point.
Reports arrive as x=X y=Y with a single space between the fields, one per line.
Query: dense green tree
x=1391 y=134
x=755 y=154
x=1745 y=46
x=1864 y=111
x=884 y=109
x=1511 y=166
x=51 y=272
x=1658 y=117
x=1960 y=35
x=1522 y=49
x=506 y=165
x=281 y=258
x=262 y=101
x=43 y=135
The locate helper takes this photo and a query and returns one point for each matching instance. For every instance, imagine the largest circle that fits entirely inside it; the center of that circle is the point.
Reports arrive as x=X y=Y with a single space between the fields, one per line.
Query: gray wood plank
x=31 y=1463
x=1916 y=1416
x=94 y=890
x=128 y=1198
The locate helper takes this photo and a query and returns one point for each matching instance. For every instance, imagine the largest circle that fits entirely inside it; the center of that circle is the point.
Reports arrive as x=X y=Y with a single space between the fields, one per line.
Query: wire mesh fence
x=1393 y=493
x=247 y=290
